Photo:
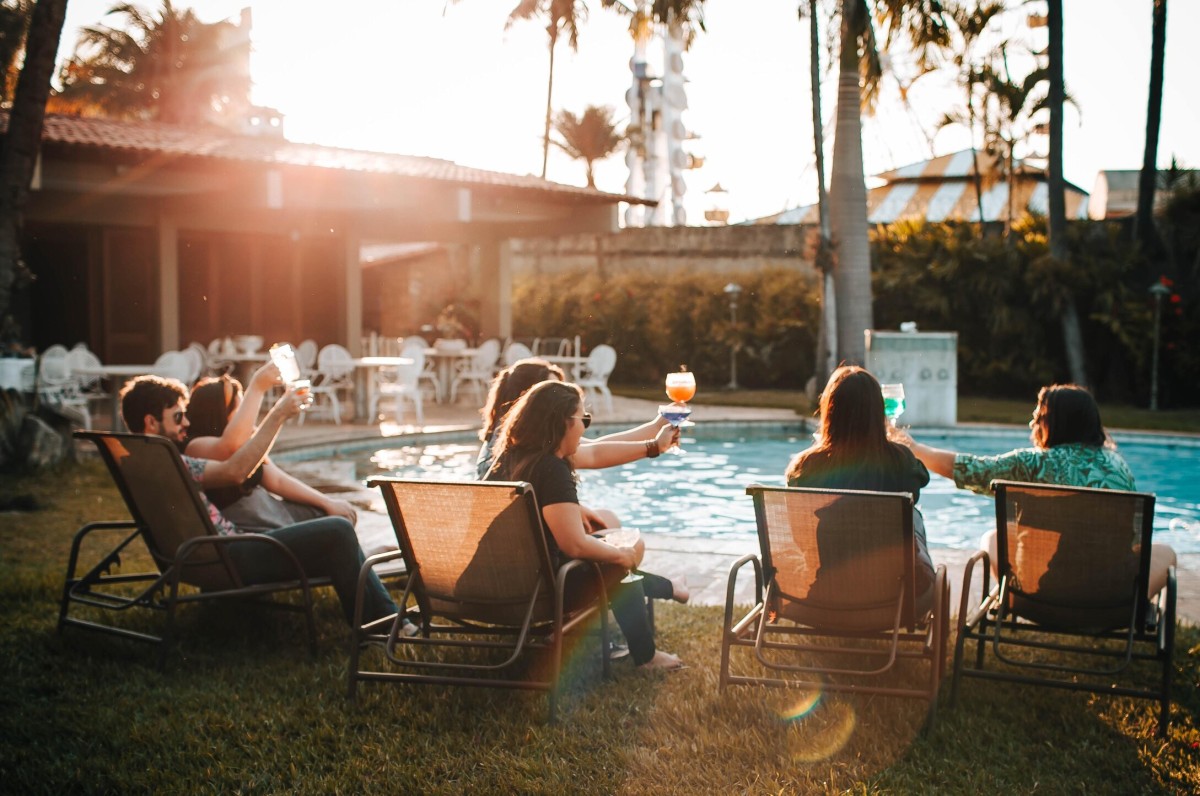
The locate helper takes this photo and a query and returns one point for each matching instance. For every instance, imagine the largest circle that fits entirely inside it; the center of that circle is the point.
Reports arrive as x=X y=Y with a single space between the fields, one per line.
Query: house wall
x=666 y=249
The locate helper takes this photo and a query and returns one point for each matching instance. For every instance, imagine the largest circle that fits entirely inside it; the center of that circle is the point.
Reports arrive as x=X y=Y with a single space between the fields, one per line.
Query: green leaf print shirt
x=1074 y=464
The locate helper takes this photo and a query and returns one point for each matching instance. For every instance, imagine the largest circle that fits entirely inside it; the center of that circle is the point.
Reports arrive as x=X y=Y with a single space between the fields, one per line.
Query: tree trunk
x=553 y=31
x=1072 y=334
x=19 y=149
x=1147 y=182
x=848 y=200
x=827 y=351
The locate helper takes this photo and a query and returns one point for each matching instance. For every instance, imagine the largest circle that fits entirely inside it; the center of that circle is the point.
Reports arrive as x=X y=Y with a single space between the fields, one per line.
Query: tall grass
x=242 y=707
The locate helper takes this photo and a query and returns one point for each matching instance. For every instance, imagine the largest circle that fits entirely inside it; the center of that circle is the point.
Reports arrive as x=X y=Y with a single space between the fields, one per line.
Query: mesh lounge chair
x=836 y=564
x=1071 y=608
x=170 y=518
x=481 y=575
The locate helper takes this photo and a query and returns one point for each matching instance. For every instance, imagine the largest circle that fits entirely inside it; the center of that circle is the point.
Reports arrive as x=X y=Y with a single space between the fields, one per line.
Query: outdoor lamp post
x=732 y=290
x=1158 y=290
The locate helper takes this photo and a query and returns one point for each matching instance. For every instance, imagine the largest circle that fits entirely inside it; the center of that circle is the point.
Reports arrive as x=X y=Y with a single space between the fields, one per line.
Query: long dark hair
x=1067 y=414
x=509 y=385
x=213 y=398
x=535 y=427
x=852 y=431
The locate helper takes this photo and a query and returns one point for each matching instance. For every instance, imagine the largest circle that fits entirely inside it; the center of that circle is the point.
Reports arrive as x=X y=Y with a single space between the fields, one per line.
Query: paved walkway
x=703 y=564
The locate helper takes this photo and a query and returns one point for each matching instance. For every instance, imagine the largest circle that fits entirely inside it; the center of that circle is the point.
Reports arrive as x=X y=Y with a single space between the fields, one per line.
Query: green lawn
x=244 y=708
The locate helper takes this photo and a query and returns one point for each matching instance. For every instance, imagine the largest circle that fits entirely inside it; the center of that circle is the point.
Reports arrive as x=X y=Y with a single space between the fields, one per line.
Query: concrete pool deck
x=702 y=563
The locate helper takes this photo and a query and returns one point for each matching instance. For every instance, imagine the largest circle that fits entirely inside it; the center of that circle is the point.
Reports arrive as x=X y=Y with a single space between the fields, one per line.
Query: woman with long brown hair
x=535 y=443
x=852 y=451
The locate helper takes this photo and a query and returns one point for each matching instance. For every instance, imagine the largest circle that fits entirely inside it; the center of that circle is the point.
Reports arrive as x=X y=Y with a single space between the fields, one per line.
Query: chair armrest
x=113 y=556
x=987 y=595
x=731 y=586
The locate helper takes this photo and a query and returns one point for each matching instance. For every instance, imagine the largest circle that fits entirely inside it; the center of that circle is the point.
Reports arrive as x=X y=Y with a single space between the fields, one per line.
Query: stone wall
x=665 y=249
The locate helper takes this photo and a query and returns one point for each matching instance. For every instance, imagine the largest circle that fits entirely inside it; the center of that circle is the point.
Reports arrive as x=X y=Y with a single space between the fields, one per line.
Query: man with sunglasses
x=325 y=547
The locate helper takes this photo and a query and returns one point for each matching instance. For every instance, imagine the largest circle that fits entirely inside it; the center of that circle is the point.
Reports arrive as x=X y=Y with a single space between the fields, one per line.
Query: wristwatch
x=652 y=448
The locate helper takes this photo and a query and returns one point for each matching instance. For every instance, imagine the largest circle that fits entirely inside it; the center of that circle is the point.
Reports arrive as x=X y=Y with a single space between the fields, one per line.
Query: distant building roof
x=943 y=189
x=1116 y=190
x=153 y=138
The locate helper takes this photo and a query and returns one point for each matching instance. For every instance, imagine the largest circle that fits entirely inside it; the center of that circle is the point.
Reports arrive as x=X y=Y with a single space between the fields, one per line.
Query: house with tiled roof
x=943 y=189
x=146 y=236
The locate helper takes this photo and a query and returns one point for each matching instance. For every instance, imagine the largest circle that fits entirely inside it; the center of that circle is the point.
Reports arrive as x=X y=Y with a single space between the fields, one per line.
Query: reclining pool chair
x=485 y=590
x=1071 y=601
x=836 y=565
x=170 y=518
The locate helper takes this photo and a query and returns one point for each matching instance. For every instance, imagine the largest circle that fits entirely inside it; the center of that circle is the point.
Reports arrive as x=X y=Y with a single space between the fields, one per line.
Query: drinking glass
x=681 y=387
x=893 y=401
x=623 y=537
x=284 y=357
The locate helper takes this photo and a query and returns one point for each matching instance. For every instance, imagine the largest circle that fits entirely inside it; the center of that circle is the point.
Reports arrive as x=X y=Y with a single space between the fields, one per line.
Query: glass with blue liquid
x=893 y=401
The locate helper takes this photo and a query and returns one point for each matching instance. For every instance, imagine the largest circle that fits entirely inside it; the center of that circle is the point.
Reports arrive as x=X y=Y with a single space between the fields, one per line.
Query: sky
x=446 y=79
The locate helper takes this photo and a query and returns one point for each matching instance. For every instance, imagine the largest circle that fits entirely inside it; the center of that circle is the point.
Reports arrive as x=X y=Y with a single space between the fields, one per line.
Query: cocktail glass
x=893 y=401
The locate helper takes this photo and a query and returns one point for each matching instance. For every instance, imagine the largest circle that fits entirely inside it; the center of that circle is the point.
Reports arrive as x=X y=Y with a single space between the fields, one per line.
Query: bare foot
x=679 y=591
x=665 y=661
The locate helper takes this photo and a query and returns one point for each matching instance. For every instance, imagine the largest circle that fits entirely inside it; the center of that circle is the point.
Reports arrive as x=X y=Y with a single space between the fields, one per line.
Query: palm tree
x=170 y=67
x=14 y=22
x=921 y=23
x=1072 y=333
x=969 y=25
x=1148 y=180
x=562 y=16
x=589 y=137
x=827 y=355
x=19 y=149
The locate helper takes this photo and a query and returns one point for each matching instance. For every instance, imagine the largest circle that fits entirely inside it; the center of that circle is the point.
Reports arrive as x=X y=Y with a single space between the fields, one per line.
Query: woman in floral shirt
x=1071 y=448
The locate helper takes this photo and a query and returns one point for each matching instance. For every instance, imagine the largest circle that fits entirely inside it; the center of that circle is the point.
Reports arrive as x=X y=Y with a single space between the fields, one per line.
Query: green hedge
x=1003 y=297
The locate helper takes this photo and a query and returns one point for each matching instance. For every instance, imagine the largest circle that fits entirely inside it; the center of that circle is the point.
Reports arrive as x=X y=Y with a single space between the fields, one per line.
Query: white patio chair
x=334 y=375
x=515 y=353
x=399 y=384
x=197 y=359
x=477 y=370
x=173 y=365
x=306 y=357
x=56 y=386
x=594 y=373
x=89 y=386
x=413 y=345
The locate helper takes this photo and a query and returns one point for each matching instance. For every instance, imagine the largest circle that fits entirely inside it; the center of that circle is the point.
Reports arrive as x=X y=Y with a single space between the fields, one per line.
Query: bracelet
x=652 y=450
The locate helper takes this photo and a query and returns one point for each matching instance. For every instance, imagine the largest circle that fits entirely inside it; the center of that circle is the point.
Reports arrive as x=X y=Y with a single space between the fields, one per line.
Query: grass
x=242 y=707
x=970 y=409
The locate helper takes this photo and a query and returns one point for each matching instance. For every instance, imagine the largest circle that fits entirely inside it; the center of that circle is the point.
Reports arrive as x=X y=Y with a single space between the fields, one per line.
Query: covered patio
x=145 y=237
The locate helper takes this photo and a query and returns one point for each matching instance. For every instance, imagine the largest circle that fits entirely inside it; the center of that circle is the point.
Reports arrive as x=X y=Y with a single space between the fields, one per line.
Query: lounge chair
x=486 y=593
x=170 y=518
x=1071 y=608
x=836 y=565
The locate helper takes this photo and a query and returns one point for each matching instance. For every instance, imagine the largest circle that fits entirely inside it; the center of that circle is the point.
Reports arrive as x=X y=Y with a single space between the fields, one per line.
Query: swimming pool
x=702 y=494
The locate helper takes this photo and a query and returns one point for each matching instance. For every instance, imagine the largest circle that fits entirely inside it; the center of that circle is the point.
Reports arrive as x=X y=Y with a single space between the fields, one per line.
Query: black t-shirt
x=553 y=482
x=898 y=472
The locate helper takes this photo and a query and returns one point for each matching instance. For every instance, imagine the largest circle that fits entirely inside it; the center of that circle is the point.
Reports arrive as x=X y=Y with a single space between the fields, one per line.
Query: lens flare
x=807 y=704
x=823 y=735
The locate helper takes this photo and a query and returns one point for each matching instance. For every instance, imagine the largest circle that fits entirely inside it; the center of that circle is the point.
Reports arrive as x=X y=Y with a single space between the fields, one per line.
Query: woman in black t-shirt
x=852 y=451
x=539 y=435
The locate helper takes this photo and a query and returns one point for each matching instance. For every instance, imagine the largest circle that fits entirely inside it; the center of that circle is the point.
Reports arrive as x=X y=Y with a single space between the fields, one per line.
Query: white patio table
x=366 y=377
x=569 y=364
x=445 y=359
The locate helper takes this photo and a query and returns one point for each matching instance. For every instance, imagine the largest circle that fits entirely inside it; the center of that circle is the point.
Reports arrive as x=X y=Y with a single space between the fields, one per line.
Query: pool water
x=702 y=493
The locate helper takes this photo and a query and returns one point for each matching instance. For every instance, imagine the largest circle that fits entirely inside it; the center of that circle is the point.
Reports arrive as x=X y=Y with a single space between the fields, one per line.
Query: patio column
x=353 y=288
x=495 y=296
x=168 y=283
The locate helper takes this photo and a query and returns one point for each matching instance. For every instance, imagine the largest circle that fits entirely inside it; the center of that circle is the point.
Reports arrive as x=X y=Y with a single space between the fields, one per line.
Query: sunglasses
x=586 y=417
x=178 y=418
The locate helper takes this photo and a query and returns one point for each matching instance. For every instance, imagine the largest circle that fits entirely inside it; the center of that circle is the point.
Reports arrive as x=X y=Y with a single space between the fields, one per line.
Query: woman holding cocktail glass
x=644 y=441
x=1070 y=448
x=852 y=450
x=536 y=442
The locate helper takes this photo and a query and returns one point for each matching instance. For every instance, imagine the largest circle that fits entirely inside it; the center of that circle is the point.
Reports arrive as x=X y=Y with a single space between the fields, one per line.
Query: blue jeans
x=325 y=547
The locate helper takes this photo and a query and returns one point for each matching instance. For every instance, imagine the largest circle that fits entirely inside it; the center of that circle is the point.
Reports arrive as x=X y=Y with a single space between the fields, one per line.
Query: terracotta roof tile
x=217 y=143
